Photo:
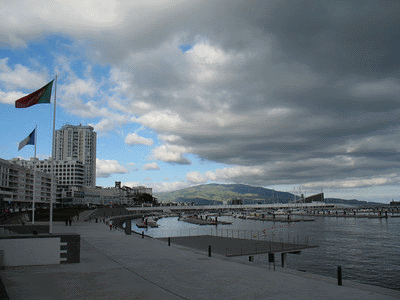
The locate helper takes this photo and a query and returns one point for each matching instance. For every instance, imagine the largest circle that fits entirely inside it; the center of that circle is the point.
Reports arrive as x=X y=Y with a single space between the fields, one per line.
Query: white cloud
x=159 y=187
x=151 y=166
x=171 y=153
x=237 y=172
x=132 y=183
x=105 y=168
x=195 y=177
x=161 y=120
x=122 y=80
x=22 y=76
x=135 y=139
x=356 y=182
x=169 y=138
x=11 y=97
x=111 y=122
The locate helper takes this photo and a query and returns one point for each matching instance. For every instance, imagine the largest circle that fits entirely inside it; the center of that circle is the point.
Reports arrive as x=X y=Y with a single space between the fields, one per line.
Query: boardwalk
x=234 y=246
x=118 y=266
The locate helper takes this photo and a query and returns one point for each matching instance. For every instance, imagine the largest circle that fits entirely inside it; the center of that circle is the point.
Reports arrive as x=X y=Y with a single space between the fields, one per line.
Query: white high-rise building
x=77 y=143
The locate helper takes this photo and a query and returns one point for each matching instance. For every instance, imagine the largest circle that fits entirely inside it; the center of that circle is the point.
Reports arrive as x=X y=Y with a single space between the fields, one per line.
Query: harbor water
x=367 y=249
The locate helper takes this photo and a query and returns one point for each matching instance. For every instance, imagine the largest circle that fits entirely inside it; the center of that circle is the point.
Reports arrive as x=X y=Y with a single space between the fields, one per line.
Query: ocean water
x=368 y=250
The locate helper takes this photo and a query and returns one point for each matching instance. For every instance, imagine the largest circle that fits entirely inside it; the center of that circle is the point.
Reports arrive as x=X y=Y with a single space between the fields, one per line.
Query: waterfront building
x=68 y=172
x=77 y=143
x=20 y=186
x=70 y=176
x=114 y=196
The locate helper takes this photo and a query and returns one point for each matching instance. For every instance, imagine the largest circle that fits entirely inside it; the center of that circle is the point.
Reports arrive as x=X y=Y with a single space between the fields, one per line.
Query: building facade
x=77 y=143
x=70 y=176
x=114 y=196
x=20 y=186
x=67 y=172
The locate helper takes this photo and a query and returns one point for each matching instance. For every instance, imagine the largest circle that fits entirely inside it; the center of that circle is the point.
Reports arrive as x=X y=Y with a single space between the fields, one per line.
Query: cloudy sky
x=299 y=96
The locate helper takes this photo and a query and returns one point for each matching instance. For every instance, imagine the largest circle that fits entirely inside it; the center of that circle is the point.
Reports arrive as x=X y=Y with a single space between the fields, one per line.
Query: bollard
x=169 y=241
x=142 y=234
x=283 y=260
x=1 y=259
x=128 y=227
x=339 y=275
x=209 y=251
x=271 y=259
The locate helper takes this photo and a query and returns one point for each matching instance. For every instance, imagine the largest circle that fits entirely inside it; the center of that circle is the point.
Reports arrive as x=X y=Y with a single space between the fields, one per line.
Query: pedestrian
x=66 y=221
x=70 y=221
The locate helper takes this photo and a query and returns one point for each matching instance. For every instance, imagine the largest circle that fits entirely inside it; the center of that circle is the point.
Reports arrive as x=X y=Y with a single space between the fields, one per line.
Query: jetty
x=146 y=223
x=228 y=246
x=201 y=221
x=284 y=219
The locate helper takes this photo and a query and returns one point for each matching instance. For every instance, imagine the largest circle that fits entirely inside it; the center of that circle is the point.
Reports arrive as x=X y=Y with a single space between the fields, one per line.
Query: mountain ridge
x=214 y=193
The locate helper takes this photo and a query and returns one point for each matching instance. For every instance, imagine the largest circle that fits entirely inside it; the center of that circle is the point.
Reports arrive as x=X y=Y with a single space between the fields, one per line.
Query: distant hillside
x=351 y=202
x=212 y=193
x=217 y=193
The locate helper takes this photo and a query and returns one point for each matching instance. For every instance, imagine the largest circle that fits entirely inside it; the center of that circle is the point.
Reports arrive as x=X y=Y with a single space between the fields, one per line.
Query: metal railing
x=257 y=235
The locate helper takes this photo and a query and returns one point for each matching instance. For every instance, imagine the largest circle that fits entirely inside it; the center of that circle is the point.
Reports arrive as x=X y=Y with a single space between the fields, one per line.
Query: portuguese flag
x=40 y=96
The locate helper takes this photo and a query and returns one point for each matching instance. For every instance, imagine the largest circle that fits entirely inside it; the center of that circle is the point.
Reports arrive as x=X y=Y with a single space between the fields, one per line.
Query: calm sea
x=368 y=250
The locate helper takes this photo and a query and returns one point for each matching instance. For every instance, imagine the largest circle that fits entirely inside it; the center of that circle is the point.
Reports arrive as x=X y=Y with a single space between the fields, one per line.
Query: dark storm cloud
x=303 y=90
x=338 y=36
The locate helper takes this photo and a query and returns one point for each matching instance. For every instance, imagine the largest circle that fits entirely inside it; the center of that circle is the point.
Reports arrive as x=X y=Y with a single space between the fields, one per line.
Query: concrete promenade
x=118 y=266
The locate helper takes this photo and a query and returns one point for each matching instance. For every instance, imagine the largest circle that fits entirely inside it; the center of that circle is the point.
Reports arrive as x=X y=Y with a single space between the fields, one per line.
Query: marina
x=366 y=248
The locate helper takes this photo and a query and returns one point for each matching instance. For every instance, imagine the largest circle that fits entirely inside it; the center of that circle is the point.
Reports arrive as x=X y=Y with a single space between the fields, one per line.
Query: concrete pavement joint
x=141 y=276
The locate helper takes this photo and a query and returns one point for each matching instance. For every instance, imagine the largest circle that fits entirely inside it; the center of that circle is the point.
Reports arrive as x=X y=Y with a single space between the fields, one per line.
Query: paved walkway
x=118 y=266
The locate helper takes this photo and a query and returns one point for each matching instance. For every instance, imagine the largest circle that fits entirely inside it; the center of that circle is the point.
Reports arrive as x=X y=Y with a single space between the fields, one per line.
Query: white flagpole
x=34 y=180
x=53 y=158
x=35 y=138
x=34 y=196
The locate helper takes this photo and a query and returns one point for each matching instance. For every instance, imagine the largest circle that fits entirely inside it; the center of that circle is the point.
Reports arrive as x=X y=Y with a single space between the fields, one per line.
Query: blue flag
x=29 y=140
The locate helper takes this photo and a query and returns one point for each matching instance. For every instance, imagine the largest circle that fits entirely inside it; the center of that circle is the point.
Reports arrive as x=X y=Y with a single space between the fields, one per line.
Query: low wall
x=29 y=250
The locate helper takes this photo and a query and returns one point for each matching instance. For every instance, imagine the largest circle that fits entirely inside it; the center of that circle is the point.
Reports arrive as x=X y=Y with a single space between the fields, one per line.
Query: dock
x=236 y=247
x=146 y=222
x=199 y=221
x=285 y=219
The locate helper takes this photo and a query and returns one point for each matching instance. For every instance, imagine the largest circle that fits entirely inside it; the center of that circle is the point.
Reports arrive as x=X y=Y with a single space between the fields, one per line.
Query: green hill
x=217 y=193
x=212 y=193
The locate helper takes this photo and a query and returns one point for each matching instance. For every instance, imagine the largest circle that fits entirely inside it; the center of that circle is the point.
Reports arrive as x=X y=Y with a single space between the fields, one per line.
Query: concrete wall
x=30 y=251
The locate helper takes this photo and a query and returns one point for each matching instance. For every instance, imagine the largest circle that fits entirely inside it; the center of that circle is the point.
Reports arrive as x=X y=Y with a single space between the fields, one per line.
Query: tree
x=146 y=198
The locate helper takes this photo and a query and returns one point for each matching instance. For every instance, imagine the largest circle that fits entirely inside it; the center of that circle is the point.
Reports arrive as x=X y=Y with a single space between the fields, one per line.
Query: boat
x=280 y=212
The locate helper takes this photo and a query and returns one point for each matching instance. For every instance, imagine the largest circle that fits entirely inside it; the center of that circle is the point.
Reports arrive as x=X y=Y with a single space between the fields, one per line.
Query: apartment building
x=77 y=143
x=20 y=186
x=70 y=176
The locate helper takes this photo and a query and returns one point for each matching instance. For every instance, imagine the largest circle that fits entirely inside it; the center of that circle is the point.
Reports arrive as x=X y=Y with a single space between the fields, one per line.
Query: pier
x=237 y=247
x=201 y=221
